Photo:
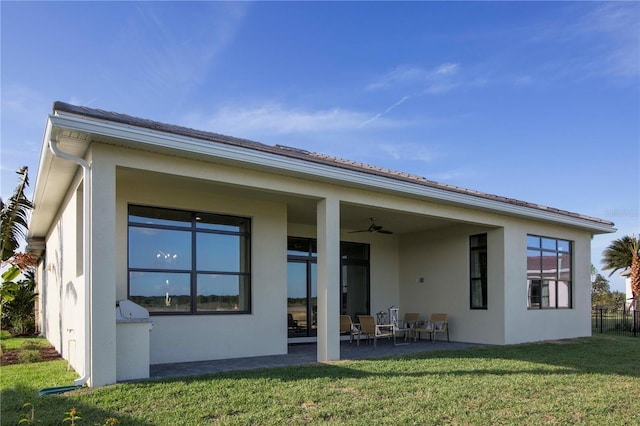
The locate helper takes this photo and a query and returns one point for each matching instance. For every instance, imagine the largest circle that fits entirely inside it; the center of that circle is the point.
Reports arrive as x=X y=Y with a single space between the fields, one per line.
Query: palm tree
x=14 y=217
x=622 y=254
x=13 y=227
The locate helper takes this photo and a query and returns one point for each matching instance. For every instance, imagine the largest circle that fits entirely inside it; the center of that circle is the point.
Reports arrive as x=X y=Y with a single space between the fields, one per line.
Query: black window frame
x=305 y=250
x=194 y=229
x=535 y=286
x=480 y=249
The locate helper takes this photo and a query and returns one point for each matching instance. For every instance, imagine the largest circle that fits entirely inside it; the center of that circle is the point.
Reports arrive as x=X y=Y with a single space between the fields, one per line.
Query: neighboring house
x=628 y=293
x=220 y=239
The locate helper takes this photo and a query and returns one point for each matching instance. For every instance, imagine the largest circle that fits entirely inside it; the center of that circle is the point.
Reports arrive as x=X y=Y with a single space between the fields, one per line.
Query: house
x=236 y=249
x=628 y=303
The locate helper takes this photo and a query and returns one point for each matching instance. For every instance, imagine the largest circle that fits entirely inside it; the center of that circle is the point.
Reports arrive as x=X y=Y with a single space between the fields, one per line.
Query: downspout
x=86 y=255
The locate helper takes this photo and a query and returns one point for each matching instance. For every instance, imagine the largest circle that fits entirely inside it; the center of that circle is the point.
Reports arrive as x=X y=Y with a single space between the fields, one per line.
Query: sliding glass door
x=302 y=296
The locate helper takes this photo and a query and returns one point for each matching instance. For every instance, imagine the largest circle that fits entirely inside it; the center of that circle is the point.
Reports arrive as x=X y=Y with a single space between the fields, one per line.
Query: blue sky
x=537 y=101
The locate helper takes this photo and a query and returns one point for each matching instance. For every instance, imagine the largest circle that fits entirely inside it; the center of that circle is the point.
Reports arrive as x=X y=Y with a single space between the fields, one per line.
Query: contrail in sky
x=380 y=114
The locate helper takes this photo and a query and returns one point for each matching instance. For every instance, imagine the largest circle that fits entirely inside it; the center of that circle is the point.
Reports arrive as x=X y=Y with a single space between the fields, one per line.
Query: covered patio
x=302 y=354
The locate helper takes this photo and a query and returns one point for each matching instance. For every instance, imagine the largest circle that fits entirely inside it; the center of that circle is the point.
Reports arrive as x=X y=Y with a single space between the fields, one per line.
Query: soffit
x=300 y=210
x=54 y=178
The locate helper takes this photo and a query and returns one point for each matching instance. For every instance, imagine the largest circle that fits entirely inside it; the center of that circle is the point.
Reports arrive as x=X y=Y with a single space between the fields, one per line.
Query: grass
x=8 y=342
x=582 y=381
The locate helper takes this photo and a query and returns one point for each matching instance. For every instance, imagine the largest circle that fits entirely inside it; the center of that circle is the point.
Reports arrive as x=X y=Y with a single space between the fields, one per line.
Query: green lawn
x=8 y=342
x=583 y=381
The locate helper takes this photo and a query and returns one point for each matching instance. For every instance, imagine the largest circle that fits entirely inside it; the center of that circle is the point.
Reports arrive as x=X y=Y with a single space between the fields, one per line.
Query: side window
x=478 y=271
x=549 y=273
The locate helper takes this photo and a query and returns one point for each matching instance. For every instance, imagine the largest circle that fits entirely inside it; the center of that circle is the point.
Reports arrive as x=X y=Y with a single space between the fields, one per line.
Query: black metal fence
x=620 y=322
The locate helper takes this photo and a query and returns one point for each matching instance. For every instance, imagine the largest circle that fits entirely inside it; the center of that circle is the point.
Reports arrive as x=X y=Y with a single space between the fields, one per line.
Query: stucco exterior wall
x=205 y=337
x=103 y=265
x=385 y=274
x=435 y=279
x=441 y=258
x=527 y=325
x=61 y=287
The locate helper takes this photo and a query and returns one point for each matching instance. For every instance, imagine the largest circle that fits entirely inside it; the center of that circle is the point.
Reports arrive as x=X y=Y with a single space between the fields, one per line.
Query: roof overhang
x=78 y=131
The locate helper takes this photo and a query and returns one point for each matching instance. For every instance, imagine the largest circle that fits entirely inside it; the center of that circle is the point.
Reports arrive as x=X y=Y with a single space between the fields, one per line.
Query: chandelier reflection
x=166 y=256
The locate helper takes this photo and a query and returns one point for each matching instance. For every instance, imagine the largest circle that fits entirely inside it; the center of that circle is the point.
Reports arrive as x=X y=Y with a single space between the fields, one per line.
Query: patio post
x=328 y=235
x=103 y=267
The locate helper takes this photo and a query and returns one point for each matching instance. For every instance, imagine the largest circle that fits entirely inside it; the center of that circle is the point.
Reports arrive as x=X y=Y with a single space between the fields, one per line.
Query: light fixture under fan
x=373 y=228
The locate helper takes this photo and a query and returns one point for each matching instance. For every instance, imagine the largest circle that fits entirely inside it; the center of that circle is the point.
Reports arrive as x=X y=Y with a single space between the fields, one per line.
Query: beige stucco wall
x=440 y=258
x=204 y=337
x=61 y=285
x=526 y=325
x=103 y=265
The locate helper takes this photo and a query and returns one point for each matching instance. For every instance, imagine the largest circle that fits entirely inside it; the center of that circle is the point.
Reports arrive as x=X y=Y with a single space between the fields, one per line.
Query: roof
x=304 y=155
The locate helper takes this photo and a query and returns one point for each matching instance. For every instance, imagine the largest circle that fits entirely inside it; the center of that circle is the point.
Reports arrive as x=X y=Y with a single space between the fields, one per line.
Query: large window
x=184 y=262
x=549 y=273
x=478 y=271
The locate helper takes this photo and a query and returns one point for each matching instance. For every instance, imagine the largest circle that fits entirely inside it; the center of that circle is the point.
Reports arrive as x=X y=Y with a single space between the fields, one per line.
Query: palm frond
x=619 y=254
x=14 y=217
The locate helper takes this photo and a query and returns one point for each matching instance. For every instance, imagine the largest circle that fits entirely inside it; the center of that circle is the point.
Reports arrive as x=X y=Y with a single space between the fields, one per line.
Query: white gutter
x=86 y=255
x=288 y=165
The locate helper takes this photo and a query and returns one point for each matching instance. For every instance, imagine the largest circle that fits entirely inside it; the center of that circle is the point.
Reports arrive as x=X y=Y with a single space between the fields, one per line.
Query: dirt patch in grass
x=561 y=342
x=12 y=356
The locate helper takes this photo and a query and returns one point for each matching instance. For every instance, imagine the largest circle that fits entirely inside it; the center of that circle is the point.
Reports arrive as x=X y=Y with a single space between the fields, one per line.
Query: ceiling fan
x=373 y=228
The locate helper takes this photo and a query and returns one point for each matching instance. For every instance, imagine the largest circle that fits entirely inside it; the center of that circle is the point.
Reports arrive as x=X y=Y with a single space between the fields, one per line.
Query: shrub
x=18 y=314
x=31 y=344
x=29 y=356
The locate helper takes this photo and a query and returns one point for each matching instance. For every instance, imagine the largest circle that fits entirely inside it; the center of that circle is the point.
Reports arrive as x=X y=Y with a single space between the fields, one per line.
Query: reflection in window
x=549 y=273
x=159 y=248
x=221 y=293
x=161 y=291
x=478 y=270
x=186 y=262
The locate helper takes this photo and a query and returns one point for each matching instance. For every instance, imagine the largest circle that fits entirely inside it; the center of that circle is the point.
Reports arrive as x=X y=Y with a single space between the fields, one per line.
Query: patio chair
x=438 y=323
x=408 y=324
x=348 y=327
x=369 y=328
x=292 y=324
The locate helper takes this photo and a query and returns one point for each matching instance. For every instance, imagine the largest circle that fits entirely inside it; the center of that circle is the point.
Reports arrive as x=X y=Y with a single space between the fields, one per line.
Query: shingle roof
x=303 y=155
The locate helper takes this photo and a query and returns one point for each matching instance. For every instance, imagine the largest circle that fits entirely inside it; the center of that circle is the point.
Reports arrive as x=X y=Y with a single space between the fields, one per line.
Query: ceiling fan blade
x=383 y=231
x=362 y=230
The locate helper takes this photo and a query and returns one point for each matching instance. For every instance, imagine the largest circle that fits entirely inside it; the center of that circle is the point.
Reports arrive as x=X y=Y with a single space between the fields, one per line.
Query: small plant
x=28 y=417
x=72 y=416
x=30 y=344
x=29 y=356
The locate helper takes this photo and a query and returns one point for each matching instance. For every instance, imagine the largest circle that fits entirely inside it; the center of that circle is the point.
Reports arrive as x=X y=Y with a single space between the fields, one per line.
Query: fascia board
x=294 y=166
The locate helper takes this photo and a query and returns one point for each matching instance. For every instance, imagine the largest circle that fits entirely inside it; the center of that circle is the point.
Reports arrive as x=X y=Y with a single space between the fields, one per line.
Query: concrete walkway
x=299 y=355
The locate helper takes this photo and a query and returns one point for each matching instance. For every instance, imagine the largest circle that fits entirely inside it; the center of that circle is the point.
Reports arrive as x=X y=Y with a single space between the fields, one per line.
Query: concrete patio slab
x=300 y=354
